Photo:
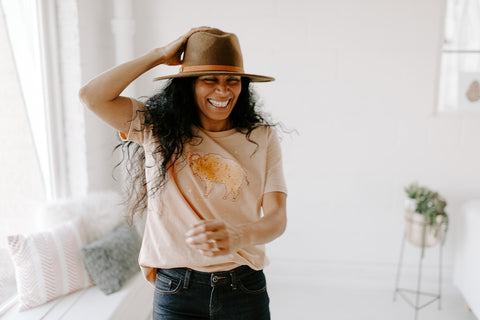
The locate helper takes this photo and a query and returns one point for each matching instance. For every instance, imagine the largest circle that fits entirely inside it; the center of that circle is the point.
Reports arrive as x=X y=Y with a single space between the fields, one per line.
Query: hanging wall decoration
x=469 y=91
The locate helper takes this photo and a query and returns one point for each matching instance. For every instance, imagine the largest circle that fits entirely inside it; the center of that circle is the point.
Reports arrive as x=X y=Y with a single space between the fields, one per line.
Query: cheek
x=200 y=92
x=197 y=99
x=237 y=92
x=199 y=95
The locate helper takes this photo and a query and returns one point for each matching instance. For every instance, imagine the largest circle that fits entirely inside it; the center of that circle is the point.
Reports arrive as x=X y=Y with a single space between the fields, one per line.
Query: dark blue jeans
x=187 y=294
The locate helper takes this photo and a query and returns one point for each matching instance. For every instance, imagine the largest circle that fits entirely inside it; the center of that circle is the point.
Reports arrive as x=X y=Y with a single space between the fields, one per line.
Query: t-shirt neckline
x=219 y=134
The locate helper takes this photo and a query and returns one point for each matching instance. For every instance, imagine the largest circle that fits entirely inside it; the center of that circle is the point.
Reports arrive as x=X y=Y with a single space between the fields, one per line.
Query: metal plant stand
x=418 y=293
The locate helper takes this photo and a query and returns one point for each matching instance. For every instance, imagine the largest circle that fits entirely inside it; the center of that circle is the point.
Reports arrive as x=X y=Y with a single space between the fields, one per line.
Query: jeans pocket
x=253 y=284
x=166 y=284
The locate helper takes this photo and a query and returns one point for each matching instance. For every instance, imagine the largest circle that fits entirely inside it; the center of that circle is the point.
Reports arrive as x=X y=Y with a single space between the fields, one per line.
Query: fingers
x=215 y=253
x=174 y=50
x=183 y=39
x=206 y=235
x=209 y=240
x=205 y=226
x=210 y=237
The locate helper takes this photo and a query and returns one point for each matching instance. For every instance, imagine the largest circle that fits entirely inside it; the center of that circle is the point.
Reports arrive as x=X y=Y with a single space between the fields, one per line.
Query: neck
x=217 y=126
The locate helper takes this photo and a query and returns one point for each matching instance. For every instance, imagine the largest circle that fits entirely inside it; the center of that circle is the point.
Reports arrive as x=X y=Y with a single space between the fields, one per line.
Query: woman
x=211 y=165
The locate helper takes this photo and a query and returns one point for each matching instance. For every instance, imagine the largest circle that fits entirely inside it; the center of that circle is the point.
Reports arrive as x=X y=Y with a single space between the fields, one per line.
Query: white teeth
x=219 y=104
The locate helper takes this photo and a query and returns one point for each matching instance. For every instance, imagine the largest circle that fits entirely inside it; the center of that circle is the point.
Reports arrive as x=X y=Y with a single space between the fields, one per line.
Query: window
x=459 y=88
x=42 y=120
x=22 y=185
x=43 y=124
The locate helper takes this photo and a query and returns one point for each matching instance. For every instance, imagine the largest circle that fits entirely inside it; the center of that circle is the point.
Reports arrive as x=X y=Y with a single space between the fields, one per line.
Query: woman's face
x=216 y=96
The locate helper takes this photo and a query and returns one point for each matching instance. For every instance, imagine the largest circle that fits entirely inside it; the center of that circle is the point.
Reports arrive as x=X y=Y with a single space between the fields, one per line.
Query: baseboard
x=347 y=274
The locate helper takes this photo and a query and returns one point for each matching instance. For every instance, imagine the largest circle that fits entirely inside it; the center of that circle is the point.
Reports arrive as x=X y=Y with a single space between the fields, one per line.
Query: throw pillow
x=101 y=213
x=48 y=264
x=112 y=260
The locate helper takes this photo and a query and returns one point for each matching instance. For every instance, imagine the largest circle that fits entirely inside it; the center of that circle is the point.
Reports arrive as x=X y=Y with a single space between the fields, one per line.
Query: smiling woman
x=208 y=168
x=216 y=95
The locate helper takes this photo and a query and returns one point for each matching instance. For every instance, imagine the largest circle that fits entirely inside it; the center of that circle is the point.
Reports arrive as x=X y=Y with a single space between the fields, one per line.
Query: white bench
x=101 y=212
x=132 y=302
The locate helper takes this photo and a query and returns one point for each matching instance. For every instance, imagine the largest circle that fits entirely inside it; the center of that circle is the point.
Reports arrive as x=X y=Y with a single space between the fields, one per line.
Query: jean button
x=215 y=279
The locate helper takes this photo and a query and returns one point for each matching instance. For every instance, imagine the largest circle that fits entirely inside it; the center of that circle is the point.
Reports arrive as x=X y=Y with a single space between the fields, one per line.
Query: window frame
x=447 y=98
x=49 y=51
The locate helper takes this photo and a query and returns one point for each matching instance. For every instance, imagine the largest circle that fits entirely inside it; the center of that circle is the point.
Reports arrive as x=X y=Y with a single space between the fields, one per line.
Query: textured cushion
x=112 y=260
x=48 y=264
x=101 y=213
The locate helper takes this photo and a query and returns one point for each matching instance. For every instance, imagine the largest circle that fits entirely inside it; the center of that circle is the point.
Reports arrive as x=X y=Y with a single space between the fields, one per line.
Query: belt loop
x=234 y=280
x=187 y=278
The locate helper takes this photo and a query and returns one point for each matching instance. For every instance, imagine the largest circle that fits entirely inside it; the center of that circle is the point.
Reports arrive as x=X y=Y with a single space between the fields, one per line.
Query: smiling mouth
x=218 y=103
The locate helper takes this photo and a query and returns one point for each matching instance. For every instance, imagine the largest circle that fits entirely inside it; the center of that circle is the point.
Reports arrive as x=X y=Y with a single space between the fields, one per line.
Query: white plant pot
x=410 y=204
x=418 y=233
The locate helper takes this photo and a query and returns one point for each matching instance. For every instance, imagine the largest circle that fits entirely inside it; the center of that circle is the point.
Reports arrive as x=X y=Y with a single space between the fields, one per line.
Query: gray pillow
x=112 y=260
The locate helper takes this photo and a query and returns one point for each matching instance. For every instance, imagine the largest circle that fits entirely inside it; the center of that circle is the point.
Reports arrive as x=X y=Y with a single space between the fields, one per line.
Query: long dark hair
x=172 y=113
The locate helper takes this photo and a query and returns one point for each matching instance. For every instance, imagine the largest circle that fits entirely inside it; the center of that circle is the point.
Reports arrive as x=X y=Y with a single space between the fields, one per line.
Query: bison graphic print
x=212 y=168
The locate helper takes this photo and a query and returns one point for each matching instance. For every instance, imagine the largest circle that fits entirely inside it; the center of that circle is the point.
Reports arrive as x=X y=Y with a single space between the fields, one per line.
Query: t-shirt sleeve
x=137 y=131
x=275 y=180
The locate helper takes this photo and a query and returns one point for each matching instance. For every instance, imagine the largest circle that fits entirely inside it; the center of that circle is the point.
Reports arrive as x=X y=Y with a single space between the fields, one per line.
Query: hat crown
x=213 y=52
x=213 y=48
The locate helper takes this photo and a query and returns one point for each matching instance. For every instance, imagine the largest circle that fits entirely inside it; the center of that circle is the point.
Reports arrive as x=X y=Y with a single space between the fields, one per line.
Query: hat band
x=210 y=67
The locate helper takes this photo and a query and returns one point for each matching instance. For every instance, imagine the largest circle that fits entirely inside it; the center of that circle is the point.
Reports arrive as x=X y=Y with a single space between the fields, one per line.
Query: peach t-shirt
x=220 y=176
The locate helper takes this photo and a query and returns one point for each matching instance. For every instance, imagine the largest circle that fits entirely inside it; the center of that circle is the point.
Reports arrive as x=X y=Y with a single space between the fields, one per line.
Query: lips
x=219 y=103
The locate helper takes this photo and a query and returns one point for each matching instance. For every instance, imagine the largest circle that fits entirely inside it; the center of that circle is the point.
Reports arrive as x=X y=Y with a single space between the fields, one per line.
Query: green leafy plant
x=428 y=203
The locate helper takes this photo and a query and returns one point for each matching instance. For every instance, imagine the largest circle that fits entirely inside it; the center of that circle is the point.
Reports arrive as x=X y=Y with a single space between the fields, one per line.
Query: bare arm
x=214 y=237
x=272 y=224
x=102 y=93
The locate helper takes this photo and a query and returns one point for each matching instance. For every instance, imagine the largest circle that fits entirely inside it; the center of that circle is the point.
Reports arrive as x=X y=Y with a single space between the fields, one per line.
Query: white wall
x=97 y=55
x=357 y=80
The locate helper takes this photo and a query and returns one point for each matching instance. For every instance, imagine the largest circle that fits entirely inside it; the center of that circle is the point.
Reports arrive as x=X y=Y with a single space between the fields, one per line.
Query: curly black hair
x=172 y=114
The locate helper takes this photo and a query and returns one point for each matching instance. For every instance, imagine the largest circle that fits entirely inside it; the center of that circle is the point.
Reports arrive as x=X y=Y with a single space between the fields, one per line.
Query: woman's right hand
x=102 y=93
x=172 y=52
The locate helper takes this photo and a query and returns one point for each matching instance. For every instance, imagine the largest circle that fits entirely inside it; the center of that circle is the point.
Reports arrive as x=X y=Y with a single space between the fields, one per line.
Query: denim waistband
x=209 y=278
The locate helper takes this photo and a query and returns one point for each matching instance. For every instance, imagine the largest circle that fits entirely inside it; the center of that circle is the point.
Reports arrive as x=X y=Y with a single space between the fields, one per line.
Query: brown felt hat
x=213 y=52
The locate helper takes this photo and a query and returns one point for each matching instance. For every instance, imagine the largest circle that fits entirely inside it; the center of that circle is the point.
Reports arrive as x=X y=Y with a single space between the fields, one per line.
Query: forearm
x=109 y=85
x=264 y=230
x=215 y=237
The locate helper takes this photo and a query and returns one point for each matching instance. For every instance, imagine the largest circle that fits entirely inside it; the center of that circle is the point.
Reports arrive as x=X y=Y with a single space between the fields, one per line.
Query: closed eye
x=214 y=80
x=209 y=80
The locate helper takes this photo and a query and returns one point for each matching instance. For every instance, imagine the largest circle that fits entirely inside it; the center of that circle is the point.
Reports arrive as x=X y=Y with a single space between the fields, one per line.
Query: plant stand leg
x=415 y=300
x=399 y=267
x=440 y=254
x=419 y=282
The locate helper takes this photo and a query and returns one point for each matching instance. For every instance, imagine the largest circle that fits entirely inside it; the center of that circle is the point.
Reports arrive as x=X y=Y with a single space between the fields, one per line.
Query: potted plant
x=427 y=221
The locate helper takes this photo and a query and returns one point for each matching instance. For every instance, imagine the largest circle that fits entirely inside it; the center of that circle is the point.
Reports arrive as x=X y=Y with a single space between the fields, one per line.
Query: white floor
x=293 y=301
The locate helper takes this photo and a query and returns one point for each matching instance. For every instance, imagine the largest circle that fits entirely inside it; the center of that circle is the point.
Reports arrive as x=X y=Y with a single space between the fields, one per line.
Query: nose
x=222 y=86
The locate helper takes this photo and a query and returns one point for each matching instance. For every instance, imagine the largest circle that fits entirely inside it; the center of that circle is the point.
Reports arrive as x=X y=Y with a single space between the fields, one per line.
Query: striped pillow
x=48 y=264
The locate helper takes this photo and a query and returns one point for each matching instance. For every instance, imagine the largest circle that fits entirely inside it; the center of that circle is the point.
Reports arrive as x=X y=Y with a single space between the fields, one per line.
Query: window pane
x=461 y=50
x=21 y=185
x=21 y=24
x=462 y=25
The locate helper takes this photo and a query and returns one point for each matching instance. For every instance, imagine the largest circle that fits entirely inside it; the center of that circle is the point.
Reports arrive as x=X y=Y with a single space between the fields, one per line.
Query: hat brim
x=253 y=77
